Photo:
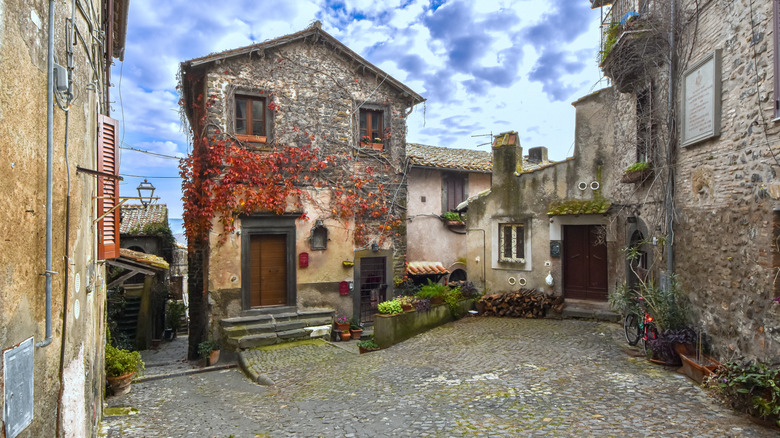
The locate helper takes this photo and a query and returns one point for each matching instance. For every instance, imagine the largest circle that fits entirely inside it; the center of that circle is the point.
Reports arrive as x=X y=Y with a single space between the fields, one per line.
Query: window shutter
x=108 y=191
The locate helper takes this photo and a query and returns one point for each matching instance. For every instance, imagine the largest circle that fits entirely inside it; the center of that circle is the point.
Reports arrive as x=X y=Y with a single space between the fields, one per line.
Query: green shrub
x=206 y=347
x=432 y=290
x=753 y=387
x=368 y=344
x=452 y=216
x=639 y=165
x=120 y=362
x=452 y=297
x=174 y=314
x=391 y=307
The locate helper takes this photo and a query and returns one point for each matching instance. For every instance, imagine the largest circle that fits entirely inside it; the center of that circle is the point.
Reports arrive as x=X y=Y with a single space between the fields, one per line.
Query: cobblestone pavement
x=485 y=377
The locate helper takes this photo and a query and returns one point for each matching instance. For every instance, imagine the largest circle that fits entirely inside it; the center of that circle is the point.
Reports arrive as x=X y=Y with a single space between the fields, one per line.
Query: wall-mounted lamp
x=145 y=192
x=374 y=247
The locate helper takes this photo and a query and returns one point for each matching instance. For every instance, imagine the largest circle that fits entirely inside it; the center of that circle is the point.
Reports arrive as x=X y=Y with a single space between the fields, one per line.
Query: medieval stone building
x=309 y=91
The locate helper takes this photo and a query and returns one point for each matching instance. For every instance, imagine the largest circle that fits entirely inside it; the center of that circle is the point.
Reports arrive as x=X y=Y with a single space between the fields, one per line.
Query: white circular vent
x=594 y=185
x=521 y=281
x=511 y=281
x=582 y=185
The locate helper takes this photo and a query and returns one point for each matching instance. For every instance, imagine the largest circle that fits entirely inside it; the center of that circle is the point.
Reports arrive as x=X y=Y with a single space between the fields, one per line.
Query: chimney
x=507 y=157
x=537 y=155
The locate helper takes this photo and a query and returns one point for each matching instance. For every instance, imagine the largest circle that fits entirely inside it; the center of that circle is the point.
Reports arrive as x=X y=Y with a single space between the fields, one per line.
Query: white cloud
x=484 y=66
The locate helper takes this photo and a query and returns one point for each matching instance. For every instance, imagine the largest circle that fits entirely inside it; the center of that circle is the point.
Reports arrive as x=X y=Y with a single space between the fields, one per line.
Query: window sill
x=251 y=138
x=375 y=146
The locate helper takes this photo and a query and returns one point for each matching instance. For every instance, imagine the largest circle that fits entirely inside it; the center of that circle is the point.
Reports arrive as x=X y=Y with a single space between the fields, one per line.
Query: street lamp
x=145 y=192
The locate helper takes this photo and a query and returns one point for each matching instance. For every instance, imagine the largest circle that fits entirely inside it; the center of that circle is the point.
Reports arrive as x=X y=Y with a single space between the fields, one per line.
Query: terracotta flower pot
x=120 y=385
x=407 y=307
x=341 y=326
x=345 y=335
x=356 y=334
x=214 y=357
x=367 y=350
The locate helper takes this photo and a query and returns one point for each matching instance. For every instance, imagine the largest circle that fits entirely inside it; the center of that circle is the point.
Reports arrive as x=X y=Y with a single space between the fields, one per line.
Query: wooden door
x=584 y=262
x=268 y=270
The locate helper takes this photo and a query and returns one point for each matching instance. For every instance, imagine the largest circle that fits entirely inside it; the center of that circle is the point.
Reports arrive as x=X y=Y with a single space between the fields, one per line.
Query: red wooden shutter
x=108 y=190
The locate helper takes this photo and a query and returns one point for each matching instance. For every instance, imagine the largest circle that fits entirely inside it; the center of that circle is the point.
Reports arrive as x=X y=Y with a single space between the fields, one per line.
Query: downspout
x=670 y=147
x=49 y=171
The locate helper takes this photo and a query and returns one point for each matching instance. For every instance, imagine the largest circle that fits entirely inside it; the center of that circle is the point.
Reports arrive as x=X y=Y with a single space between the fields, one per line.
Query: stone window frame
x=385 y=109
x=646 y=128
x=518 y=232
x=230 y=116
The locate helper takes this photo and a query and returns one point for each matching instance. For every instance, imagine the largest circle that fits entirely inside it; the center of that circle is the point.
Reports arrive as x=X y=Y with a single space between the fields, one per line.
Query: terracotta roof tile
x=423 y=268
x=136 y=217
x=449 y=158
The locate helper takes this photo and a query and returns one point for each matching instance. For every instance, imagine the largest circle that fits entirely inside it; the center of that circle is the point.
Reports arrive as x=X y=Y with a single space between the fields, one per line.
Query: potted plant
x=751 y=387
x=355 y=329
x=342 y=323
x=407 y=302
x=433 y=291
x=121 y=366
x=367 y=346
x=453 y=220
x=372 y=143
x=637 y=172
x=209 y=350
x=391 y=307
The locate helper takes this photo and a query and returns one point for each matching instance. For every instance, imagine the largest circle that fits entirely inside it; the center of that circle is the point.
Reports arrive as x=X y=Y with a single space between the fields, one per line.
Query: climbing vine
x=223 y=180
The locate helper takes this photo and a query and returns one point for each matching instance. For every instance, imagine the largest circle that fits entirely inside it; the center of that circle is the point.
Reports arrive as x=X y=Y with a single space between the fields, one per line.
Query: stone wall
x=79 y=276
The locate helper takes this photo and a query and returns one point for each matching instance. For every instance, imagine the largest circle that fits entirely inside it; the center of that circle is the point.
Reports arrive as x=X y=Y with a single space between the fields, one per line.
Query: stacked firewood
x=524 y=303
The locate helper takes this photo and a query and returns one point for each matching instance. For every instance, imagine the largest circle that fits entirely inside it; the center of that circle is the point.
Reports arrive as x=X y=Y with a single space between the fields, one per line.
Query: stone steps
x=256 y=328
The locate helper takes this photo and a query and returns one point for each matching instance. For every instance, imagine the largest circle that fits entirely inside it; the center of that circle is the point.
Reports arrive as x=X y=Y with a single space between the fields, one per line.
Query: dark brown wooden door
x=268 y=270
x=584 y=262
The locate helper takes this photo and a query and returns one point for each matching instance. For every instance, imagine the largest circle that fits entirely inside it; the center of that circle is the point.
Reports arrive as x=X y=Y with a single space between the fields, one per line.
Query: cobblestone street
x=475 y=377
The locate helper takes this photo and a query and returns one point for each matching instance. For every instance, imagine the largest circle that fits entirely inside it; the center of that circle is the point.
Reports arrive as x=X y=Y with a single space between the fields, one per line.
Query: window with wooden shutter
x=454 y=191
x=108 y=189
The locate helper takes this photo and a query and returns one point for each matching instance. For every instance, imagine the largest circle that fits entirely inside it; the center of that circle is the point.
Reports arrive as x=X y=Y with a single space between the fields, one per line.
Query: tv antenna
x=485 y=135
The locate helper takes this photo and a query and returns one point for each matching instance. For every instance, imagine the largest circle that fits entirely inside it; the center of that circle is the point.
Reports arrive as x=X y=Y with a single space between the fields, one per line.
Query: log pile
x=524 y=303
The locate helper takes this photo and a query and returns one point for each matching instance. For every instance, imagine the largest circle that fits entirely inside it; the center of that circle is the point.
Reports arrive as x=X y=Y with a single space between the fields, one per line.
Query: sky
x=486 y=66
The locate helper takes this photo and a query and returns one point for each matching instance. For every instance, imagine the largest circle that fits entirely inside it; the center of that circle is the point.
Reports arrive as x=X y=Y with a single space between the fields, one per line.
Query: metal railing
x=622 y=12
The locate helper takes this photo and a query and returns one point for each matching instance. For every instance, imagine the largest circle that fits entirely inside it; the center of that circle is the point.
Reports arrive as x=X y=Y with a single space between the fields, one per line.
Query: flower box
x=636 y=176
x=376 y=146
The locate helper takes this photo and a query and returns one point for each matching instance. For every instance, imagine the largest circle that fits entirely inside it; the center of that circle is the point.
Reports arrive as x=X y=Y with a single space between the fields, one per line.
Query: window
x=645 y=126
x=371 y=127
x=251 y=119
x=108 y=190
x=511 y=243
x=454 y=191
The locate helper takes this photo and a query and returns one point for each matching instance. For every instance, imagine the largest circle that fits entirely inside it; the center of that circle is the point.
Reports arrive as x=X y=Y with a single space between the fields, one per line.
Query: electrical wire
x=130 y=148
x=147 y=176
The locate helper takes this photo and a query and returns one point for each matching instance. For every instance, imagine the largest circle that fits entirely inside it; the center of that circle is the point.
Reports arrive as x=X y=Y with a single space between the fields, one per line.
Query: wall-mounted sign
x=701 y=100
x=555 y=248
x=303 y=260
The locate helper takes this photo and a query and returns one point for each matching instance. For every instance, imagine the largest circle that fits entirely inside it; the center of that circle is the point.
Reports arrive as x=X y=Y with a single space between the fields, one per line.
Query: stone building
x=306 y=90
x=698 y=101
x=439 y=179
x=545 y=220
x=58 y=227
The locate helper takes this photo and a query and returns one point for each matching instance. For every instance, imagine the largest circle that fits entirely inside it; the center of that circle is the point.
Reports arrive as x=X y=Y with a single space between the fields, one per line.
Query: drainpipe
x=670 y=147
x=49 y=171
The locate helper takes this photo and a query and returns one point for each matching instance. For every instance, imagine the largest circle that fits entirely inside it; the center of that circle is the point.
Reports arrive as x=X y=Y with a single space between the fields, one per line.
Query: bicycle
x=636 y=328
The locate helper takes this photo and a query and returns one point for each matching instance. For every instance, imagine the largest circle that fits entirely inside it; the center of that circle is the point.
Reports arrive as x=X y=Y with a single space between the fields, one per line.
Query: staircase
x=255 y=329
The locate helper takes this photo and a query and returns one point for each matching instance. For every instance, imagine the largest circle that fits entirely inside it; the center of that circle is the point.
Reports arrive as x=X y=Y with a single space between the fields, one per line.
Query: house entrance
x=373 y=286
x=584 y=262
x=268 y=270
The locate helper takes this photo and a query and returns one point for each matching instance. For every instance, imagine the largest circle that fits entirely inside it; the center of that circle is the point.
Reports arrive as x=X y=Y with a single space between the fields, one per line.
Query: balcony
x=632 y=40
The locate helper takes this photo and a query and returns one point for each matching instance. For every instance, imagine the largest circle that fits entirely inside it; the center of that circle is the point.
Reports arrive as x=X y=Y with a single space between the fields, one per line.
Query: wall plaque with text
x=701 y=100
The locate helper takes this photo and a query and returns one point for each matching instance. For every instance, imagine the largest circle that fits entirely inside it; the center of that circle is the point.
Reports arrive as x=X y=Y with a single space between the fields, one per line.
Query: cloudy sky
x=483 y=66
